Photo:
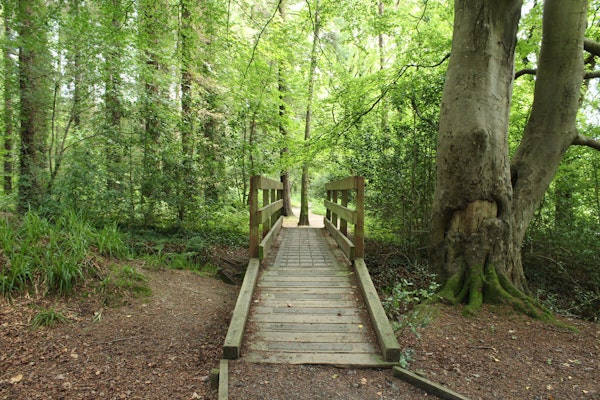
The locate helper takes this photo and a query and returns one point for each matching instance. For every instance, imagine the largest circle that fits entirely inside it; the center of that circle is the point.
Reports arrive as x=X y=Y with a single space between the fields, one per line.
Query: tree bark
x=9 y=91
x=303 y=219
x=35 y=102
x=283 y=98
x=113 y=108
x=551 y=128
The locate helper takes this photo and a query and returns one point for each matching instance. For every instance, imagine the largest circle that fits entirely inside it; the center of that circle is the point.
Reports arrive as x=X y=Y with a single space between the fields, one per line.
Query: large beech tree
x=484 y=201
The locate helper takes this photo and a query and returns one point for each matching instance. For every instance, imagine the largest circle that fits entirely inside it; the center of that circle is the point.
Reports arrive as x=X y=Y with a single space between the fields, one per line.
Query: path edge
x=425 y=384
x=235 y=334
x=388 y=342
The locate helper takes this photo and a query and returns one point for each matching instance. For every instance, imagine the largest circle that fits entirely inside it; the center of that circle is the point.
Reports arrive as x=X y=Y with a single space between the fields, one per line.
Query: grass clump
x=122 y=281
x=52 y=256
x=47 y=318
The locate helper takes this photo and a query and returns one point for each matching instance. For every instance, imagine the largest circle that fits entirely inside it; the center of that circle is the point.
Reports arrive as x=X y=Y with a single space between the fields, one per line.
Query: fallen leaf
x=335 y=376
x=16 y=378
x=363 y=381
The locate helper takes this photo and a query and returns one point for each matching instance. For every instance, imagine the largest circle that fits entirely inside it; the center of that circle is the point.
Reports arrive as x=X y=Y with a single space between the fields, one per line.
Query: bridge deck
x=308 y=308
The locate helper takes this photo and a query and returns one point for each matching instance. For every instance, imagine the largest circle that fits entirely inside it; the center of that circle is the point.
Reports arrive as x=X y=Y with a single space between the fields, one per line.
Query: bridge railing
x=265 y=212
x=339 y=215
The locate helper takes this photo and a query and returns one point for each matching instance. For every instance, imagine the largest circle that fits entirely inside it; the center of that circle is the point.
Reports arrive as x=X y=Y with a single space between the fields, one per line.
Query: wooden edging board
x=224 y=380
x=390 y=347
x=235 y=333
x=427 y=385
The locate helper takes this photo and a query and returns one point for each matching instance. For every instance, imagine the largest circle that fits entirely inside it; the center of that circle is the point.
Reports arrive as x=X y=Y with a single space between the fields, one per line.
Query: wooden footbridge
x=307 y=297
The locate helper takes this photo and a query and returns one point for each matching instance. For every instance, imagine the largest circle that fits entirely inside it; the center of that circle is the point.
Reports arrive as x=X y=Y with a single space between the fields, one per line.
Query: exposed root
x=477 y=285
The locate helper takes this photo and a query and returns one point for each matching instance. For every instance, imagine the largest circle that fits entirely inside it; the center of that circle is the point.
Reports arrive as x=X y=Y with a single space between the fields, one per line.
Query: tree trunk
x=152 y=14
x=283 y=98
x=303 y=220
x=186 y=186
x=35 y=103
x=479 y=214
x=9 y=91
x=112 y=92
x=551 y=128
x=471 y=218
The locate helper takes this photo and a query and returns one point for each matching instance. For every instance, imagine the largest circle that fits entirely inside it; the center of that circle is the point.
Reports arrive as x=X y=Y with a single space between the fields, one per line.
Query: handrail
x=340 y=212
x=268 y=215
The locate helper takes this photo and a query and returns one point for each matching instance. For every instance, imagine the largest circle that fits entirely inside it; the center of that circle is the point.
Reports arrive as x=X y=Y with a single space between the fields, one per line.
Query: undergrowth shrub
x=51 y=256
x=563 y=270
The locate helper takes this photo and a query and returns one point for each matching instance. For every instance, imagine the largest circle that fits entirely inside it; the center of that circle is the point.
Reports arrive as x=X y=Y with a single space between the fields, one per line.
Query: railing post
x=275 y=215
x=334 y=217
x=253 y=200
x=328 y=212
x=359 y=229
x=343 y=222
x=266 y=200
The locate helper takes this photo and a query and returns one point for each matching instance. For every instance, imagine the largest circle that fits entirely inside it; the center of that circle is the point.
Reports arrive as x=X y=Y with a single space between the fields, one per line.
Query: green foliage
x=47 y=318
x=51 y=256
x=408 y=313
x=123 y=280
x=401 y=305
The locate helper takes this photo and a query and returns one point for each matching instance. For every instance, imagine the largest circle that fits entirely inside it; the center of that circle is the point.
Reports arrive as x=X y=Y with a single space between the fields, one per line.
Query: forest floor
x=163 y=347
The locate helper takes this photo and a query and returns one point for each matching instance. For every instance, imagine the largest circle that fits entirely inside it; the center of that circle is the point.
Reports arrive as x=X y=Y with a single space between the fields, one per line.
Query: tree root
x=478 y=285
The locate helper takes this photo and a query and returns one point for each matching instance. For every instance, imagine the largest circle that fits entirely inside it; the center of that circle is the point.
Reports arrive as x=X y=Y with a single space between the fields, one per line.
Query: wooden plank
x=266 y=183
x=253 y=203
x=343 y=184
x=430 y=387
x=343 y=242
x=308 y=328
x=307 y=337
x=265 y=213
x=342 y=212
x=307 y=319
x=233 y=340
x=267 y=242
x=340 y=359
x=294 y=297
x=292 y=291
x=286 y=272
x=224 y=380
x=345 y=278
x=299 y=303
x=306 y=284
x=311 y=347
x=385 y=334
x=359 y=228
x=333 y=311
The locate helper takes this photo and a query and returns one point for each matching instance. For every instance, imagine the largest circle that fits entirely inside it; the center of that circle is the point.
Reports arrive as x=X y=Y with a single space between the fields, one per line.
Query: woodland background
x=139 y=123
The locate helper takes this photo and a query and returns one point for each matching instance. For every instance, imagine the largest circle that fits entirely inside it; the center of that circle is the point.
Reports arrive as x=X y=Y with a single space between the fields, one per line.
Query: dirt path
x=163 y=347
x=315 y=221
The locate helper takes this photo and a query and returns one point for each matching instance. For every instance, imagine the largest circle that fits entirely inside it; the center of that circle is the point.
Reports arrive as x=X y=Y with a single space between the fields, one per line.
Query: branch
x=591 y=46
x=526 y=71
x=533 y=71
x=581 y=140
x=356 y=118
x=254 y=49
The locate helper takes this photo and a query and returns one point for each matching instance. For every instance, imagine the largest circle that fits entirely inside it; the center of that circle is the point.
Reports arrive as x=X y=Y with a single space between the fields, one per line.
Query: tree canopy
x=156 y=113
